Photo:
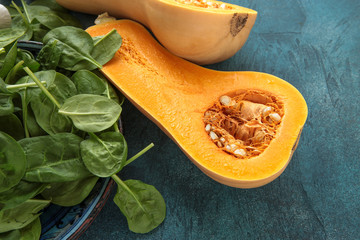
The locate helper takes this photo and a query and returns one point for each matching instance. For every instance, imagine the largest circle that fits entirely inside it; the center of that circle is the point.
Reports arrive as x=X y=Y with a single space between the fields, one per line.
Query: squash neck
x=134 y=9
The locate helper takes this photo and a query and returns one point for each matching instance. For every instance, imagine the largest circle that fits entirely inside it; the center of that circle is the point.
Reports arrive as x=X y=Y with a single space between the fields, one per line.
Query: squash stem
x=139 y=154
x=42 y=87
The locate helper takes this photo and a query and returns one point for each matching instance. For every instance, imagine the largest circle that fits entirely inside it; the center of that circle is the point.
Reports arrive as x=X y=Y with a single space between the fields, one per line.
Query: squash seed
x=266 y=111
x=275 y=117
x=225 y=100
x=213 y=135
x=240 y=152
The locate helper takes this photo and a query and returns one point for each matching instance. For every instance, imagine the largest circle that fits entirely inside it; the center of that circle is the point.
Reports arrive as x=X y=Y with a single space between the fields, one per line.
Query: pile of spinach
x=59 y=124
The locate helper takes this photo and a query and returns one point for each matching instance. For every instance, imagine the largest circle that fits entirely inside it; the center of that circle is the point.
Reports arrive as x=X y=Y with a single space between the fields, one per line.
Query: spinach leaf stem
x=120 y=183
x=26 y=10
x=139 y=154
x=41 y=86
x=20 y=12
x=22 y=85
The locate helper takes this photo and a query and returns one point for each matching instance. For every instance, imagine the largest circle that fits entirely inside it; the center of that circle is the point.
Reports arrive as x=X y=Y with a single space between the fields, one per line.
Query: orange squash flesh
x=175 y=93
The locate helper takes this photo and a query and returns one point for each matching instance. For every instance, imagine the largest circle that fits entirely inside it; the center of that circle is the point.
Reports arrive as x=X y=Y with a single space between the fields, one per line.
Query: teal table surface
x=314 y=45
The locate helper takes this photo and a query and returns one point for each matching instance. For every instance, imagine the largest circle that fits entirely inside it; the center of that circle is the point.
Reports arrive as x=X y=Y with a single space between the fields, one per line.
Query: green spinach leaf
x=142 y=205
x=106 y=46
x=91 y=113
x=109 y=92
x=70 y=193
x=54 y=158
x=75 y=46
x=20 y=193
x=32 y=231
x=87 y=82
x=22 y=215
x=11 y=235
x=104 y=155
x=6 y=104
x=9 y=61
x=45 y=111
x=11 y=125
x=12 y=162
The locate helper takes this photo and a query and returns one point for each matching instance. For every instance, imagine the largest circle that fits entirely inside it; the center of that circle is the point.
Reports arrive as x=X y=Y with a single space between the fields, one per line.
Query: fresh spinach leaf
x=45 y=111
x=104 y=155
x=20 y=193
x=32 y=231
x=142 y=205
x=9 y=61
x=31 y=124
x=11 y=125
x=6 y=104
x=10 y=35
x=22 y=22
x=63 y=13
x=21 y=215
x=49 y=56
x=106 y=46
x=110 y=92
x=51 y=4
x=39 y=31
x=11 y=235
x=54 y=158
x=91 y=113
x=12 y=162
x=47 y=17
x=87 y=82
x=70 y=193
x=29 y=60
x=75 y=46
x=13 y=75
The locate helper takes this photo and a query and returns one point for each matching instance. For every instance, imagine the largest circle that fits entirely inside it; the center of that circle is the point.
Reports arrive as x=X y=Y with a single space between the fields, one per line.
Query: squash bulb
x=203 y=111
x=201 y=32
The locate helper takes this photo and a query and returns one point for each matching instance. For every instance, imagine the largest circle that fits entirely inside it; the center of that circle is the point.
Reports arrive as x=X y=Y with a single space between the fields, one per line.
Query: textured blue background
x=314 y=45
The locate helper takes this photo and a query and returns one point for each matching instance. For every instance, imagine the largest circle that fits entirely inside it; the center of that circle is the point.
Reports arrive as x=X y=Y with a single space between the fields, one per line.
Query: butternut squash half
x=200 y=32
x=239 y=128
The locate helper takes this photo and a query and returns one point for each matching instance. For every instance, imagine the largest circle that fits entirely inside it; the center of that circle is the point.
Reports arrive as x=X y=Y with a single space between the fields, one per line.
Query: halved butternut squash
x=202 y=32
x=239 y=128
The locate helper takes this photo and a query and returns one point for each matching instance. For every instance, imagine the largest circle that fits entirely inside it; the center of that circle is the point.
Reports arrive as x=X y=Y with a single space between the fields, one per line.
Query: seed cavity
x=243 y=124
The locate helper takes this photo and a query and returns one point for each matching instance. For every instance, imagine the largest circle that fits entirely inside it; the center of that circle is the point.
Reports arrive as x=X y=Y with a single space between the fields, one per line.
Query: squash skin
x=175 y=93
x=200 y=35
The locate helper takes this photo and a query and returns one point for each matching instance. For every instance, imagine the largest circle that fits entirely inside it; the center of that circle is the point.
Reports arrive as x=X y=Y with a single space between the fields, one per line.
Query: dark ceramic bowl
x=70 y=222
